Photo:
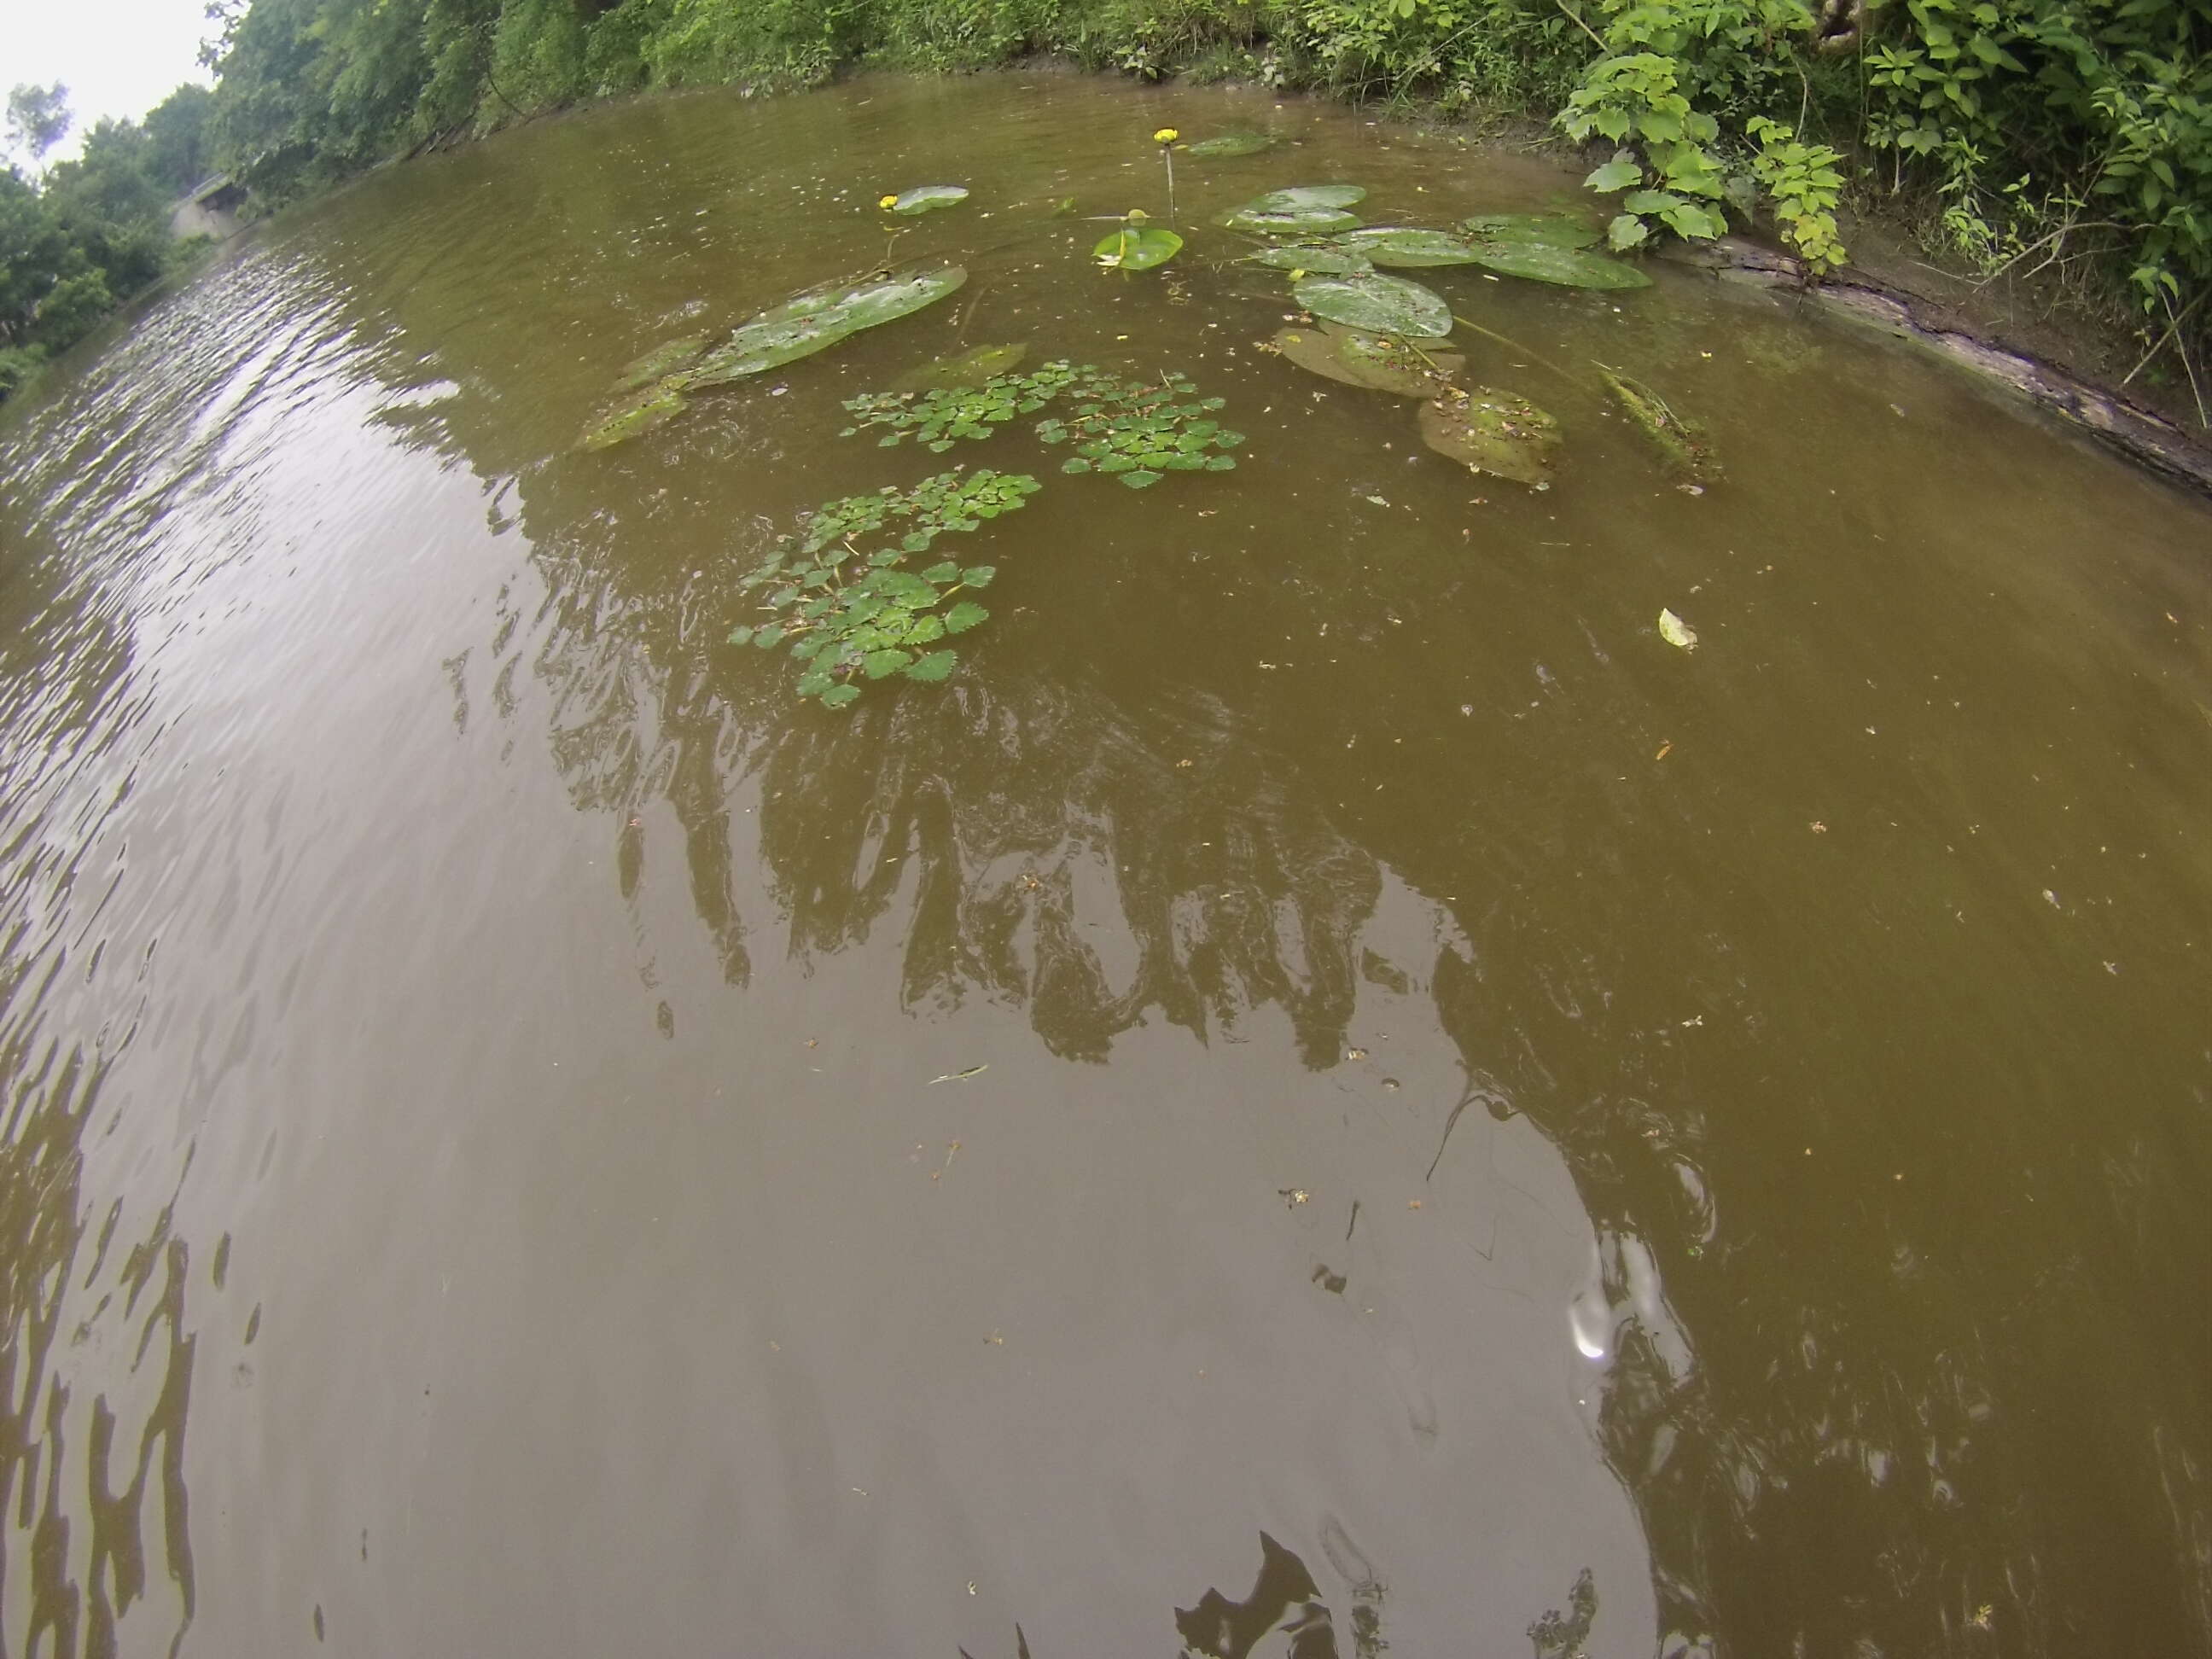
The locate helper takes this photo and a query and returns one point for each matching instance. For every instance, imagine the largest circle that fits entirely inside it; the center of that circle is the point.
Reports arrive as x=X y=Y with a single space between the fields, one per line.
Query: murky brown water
x=473 y=1180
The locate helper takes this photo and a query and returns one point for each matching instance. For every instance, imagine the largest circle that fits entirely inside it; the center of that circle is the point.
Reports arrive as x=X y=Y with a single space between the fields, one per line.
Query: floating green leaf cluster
x=1140 y=430
x=852 y=612
x=940 y=416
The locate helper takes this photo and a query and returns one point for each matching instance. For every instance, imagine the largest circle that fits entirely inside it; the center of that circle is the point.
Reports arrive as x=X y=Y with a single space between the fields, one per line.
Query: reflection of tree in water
x=64 y=668
x=1845 y=1453
x=1042 y=844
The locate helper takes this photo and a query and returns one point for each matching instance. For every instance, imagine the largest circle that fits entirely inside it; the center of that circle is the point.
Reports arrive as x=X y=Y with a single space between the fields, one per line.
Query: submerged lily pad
x=1385 y=305
x=1137 y=247
x=1373 y=362
x=1317 y=261
x=661 y=361
x=1229 y=144
x=1679 y=441
x=971 y=368
x=818 y=319
x=1493 y=432
x=1568 y=267
x=1303 y=208
x=647 y=410
x=1396 y=245
x=1553 y=229
x=928 y=198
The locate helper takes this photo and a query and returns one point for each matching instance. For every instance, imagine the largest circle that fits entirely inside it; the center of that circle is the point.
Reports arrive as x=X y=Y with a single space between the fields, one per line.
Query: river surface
x=1329 y=1088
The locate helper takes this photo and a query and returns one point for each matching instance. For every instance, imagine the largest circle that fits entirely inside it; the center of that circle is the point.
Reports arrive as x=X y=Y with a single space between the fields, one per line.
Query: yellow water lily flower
x=1166 y=135
x=886 y=201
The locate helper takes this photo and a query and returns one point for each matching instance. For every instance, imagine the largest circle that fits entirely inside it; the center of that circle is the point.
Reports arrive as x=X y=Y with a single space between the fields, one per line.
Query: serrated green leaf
x=933 y=667
x=979 y=576
x=877 y=664
x=741 y=635
x=837 y=696
x=964 y=616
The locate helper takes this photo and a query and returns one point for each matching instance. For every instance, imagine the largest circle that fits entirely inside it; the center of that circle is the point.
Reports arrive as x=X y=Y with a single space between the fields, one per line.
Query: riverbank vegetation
x=2070 y=140
x=80 y=236
x=2069 y=137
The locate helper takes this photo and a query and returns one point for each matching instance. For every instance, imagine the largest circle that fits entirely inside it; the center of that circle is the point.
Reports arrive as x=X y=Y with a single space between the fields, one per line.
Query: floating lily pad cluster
x=937 y=418
x=1375 y=328
x=853 y=612
x=1139 y=431
x=1541 y=248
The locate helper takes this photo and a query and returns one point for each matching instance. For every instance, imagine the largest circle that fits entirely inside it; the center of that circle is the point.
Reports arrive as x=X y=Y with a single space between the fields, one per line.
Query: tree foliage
x=92 y=231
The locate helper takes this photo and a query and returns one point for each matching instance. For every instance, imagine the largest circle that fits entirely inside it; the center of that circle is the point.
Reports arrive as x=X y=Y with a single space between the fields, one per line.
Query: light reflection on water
x=1452 y=1132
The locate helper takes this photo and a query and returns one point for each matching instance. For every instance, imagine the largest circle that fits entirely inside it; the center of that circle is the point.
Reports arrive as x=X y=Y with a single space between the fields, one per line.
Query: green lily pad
x=1374 y=361
x=816 y=320
x=1568 y=267
x=1383 y=304
x=661 y=361
x=928 y=198
x=1315 y=261
x=1553 y=229
x=1493 y=432
x=1229 y=144
x=1137 y=247
x=968 y=368
x=1301 y=209
x=641 y=412
x=1396 y=245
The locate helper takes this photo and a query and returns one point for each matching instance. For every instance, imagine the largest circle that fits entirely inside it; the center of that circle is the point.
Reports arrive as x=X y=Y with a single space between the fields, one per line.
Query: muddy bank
x=2118 y=423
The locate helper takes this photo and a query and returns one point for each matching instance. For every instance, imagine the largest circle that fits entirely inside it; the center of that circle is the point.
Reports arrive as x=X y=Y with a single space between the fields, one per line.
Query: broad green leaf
x=1374 y=361
x=1303 y=208
x=838 y=695
x=947 y=572
x=1398 y=245
x=1568 y=267
x=1556 y=229
x=1676 y=632
x=1315 y=261
x=964 y=616
x=928 y=198
x=741 y=636
x=1229 y=144
x=933 y=667
x=1620 y=174
x=1383 y=305
x=1140 y=478
x=1695 y=222
x=1626 y=231
x=1134 y=247
x=650 y=408
x=815 y=320
x=979 y=576
x=877 y=664
x=1492 y=432
x=661 y=361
